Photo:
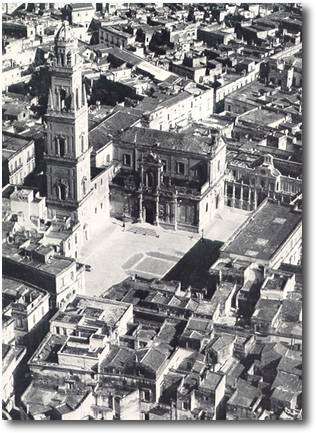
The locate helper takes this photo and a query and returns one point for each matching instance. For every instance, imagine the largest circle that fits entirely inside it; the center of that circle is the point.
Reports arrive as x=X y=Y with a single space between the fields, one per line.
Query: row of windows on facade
x=18 y=162
x=175 y=110
x=18 y=177
x=113 y=402
x=19 y=322
x=76 y=240
x=180 y=166
x=65 y=300
x=72 y=277
x=118 y=42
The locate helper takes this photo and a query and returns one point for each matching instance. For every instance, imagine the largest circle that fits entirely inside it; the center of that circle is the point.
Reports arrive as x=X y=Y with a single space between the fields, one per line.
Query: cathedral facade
x=168 y=179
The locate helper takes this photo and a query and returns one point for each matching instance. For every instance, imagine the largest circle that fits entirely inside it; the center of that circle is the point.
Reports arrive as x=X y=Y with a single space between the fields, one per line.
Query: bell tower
x=67 y=152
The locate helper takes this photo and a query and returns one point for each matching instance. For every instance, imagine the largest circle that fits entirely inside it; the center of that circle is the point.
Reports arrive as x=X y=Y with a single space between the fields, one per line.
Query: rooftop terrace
x=264 y=233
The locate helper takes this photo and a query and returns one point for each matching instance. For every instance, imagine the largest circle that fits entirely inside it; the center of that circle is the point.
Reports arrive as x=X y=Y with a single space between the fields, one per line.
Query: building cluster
x=165 y=115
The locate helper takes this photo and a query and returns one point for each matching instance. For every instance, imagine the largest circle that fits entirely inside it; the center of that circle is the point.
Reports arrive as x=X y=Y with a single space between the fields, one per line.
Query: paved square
x=155 y=267
x=114 y=253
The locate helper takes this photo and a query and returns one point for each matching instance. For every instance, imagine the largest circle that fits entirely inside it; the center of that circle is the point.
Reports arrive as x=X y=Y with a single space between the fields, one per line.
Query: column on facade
x=255 y=199
x=142 y=174
x=197 y=214
x=241 y=194
x=157 y=210
x=249 y=198
x=158 y=177
x=175 y=210
x=233 y=196
x=140 y=205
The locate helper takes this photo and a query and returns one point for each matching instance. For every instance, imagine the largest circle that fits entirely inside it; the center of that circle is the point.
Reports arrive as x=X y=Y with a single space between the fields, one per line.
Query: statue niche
x=150 y=178
x=65 y=100
x=62 y=189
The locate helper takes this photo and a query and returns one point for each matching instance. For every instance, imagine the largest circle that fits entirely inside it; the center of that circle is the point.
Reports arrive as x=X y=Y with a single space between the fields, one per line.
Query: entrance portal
x=149 y=212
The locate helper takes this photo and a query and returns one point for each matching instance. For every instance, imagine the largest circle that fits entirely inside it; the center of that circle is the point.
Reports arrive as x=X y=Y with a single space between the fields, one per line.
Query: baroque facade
x=168 y=179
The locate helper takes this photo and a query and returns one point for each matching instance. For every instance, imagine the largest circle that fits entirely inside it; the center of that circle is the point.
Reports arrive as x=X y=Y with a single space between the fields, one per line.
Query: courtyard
x=152 y=252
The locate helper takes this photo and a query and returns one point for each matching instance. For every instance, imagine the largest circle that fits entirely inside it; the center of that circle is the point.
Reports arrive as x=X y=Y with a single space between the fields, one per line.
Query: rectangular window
x=146 y=395
x=164 y=165
x=127 y=160
x=110 y=402
x=186 y=405
x=180 y=168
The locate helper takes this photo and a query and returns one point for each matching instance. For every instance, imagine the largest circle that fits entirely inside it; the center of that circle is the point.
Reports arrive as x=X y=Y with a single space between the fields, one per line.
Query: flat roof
x=263 y=117
x=263 y=234
x=11 y=144
x=55 y=266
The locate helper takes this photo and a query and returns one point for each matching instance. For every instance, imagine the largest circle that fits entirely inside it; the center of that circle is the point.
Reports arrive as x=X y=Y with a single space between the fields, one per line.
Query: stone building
x=115 y=37
x=252 y=177
x=27 y=305
x=174 y=180
x=270 y=237
x=38 y=265
x=18 y=158
x=74 y=189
